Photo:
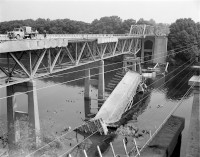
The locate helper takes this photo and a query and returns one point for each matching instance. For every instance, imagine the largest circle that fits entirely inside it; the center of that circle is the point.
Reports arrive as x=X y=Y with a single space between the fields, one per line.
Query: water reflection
x=177 y=149
x=177 y=84
x=88 y=109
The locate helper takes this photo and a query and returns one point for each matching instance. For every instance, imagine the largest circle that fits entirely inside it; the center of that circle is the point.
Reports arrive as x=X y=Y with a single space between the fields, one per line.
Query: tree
x=126 y=25
x=184 y=36
x=107 y=25
x=152 y=22
x=141 y=21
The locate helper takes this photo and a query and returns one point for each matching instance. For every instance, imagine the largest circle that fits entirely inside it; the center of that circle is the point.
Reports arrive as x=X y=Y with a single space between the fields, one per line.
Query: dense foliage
x=104 y=25
x=51 y=26
x=184 y=33
x=184 y=36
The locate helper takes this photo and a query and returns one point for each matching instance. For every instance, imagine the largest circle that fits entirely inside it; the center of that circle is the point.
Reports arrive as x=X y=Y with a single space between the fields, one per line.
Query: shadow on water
x=179 y=83
x=140 y=103
x=177 y=149
x=75 y=76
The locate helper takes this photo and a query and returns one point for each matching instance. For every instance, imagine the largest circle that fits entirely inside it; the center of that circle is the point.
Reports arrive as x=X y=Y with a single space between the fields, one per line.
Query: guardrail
x=73 y=36
x=85 y=35
x=146 y=30
x=136 y=30
x=3 y=37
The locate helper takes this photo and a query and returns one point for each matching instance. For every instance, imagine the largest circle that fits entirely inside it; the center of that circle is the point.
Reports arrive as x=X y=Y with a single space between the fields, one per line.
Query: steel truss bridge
x=33 y=58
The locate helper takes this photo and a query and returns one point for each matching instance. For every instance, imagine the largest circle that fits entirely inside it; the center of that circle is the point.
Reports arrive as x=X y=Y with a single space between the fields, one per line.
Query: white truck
x=22 y=33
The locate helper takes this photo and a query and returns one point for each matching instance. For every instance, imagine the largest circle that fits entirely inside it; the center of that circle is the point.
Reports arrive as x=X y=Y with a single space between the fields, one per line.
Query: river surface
x=62 y=105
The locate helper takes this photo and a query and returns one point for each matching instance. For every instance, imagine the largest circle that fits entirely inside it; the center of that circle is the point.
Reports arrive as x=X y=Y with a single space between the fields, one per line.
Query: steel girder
x=36 y=63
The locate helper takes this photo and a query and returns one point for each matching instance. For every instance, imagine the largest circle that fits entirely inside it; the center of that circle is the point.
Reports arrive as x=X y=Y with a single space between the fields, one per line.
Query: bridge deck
x=52 y=41
x=115 y=105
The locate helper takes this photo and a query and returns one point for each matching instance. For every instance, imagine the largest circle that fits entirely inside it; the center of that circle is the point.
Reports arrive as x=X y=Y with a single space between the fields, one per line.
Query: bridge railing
x=136 y=30
x=74 y=36
x=146 y=30
x=149 y=30
x=83 y=35
x=4 y=37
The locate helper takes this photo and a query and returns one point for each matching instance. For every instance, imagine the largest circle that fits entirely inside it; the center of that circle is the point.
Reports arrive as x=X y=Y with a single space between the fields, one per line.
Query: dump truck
x=22 y=33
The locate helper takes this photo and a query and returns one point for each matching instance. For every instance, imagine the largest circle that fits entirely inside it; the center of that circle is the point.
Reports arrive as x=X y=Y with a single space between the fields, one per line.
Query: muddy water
x=62 y=105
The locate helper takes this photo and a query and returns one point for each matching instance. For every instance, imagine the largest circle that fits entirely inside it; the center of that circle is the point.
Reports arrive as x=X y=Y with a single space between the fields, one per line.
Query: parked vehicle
x=22 y=33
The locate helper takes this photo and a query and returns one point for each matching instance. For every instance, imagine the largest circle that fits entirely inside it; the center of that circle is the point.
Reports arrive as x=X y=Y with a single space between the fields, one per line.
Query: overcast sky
x=160 y=10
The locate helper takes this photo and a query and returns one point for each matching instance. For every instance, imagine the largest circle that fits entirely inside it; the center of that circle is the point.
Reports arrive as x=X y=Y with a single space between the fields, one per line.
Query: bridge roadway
x=33 y=58
x=135 y=30
x=58 y=40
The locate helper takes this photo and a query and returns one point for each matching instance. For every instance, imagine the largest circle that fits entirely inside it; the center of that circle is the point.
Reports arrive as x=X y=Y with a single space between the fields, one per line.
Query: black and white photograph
x=99 y=78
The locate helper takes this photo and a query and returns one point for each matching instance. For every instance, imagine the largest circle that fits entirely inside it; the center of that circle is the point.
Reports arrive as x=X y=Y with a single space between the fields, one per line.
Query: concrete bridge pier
x=100 y=82
x=14 y=117
x=33 y=112
x=87 y=84
x=130 y=61
x=154 y=49
x=10 y=116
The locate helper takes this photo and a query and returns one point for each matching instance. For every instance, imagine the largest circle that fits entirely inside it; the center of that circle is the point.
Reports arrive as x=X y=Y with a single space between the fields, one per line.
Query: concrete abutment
x=155 y=52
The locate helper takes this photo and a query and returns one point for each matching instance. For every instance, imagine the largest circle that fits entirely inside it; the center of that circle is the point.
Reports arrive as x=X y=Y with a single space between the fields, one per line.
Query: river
x=62 y=105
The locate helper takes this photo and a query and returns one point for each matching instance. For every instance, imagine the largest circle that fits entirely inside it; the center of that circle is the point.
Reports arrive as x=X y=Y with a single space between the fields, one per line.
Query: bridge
x=23 y=61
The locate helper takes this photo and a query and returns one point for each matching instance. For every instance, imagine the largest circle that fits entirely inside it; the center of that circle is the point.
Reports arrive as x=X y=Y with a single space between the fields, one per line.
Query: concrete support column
x=10 y=116
x=142 y=51
x=14 y=117
x=87 y=84
x=139 y=70
x=131 y=62
x=160 y=50
x=87 y=108
x=33 y=112
x=134 y=65
x=124 y=63
x=101 y=81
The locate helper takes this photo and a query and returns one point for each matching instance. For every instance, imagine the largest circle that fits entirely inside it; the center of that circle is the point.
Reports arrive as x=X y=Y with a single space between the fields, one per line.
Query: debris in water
x=126 y=140
x=159 y=106
x=67 y=129
x=131 y=131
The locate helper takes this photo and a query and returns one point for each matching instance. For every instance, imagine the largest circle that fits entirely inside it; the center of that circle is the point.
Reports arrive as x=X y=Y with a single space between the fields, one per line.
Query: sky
x=165 y=11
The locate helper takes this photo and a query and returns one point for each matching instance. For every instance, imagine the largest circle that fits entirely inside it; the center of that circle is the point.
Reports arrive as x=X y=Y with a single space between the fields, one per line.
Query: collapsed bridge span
x=119 y=101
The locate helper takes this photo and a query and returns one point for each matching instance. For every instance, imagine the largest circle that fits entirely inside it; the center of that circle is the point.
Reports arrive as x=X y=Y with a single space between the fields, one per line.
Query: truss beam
x=36 y=63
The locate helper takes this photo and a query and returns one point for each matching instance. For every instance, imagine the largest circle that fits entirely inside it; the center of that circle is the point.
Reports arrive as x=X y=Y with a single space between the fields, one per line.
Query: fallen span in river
x=119 y=101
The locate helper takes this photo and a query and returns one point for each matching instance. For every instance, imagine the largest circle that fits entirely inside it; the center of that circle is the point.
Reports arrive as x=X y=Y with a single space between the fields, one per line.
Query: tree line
x=184 y=41
x=183 y=33
x=104 y=25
